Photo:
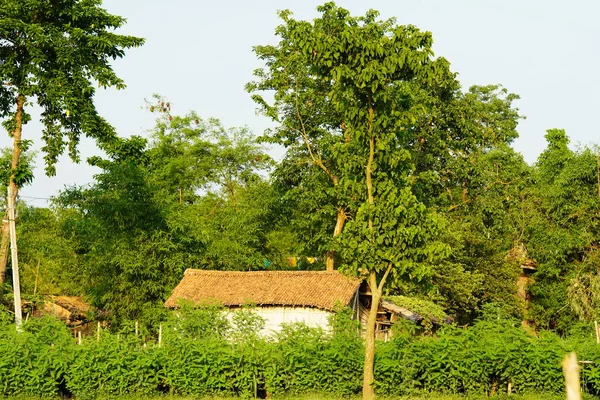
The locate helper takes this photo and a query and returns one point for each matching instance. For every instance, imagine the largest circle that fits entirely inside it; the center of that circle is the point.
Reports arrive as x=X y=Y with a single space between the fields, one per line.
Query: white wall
x=275 y=316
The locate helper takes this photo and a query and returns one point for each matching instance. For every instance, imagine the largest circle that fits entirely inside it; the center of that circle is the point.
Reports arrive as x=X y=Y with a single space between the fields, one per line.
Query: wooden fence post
x=159 y=335
x=571 y=372
x=98 y=332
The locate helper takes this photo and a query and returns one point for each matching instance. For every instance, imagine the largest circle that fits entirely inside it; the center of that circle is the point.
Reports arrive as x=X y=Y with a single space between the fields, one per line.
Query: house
x=279 y=296
x=287 y=296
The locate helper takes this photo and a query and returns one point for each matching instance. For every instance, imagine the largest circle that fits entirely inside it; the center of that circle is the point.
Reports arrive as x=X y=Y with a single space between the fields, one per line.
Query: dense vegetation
x=197 y=194
x=202 y=353
x=391 y=171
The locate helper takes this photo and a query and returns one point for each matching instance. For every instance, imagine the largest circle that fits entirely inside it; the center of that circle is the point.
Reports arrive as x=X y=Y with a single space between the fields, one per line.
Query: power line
x=35 y=198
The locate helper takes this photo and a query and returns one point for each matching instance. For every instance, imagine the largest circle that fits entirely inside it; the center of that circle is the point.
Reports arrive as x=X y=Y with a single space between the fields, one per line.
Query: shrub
x=231 y=358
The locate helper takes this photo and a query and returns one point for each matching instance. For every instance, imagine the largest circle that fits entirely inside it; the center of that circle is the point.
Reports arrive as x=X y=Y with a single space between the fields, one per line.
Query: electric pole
x=14 y=259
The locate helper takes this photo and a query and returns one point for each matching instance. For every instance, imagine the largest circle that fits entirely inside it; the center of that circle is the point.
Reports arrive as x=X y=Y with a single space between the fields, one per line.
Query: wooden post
x=14 y=259
x=597 y=332
x=98 y=332
x=136 y=329
x=571 y=373
x=79 y=337
x=159 y=335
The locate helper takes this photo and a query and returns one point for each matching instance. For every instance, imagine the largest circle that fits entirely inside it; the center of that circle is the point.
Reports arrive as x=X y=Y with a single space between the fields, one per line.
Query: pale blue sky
x=199 y=55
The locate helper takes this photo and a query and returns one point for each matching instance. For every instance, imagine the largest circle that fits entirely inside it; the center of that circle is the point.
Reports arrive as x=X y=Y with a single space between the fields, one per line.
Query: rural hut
x=72 y=310
x=278 y=296
x=288 y=296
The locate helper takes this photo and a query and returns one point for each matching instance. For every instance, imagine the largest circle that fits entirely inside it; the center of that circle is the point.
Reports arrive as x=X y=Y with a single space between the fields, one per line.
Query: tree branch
x=316 y=161
x=384 y=277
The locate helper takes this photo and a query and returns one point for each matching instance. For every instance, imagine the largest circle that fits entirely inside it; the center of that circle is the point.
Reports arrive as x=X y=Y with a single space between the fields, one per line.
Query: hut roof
x=71 y=309
x=318 y=289
x=75 y=304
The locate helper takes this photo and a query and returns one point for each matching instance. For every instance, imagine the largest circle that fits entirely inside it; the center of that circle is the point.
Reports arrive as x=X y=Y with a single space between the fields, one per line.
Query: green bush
x=35 y=361
x=232 y=359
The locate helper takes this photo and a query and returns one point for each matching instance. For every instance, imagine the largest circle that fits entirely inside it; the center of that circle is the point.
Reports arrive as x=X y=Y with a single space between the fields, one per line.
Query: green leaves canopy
x=55 y=52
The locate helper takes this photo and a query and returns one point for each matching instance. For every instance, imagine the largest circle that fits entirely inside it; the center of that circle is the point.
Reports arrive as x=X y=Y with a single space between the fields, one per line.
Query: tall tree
x=54 y=54
x=563 y=235
x=451 y=124
x=373 y=69
x=365 y=104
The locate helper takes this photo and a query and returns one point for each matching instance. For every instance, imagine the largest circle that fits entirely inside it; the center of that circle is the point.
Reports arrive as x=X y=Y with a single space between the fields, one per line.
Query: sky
x=198 y=54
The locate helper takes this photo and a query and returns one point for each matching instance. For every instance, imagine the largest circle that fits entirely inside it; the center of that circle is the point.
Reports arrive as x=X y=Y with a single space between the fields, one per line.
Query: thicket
x=205 y=353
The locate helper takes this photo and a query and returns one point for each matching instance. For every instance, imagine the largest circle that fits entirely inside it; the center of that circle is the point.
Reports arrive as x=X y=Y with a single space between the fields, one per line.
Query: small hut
x=72 y=310
x=280 y=297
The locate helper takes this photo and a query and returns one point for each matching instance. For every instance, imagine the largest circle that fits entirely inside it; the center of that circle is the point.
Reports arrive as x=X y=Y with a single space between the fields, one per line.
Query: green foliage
x=562 y=235
x=126 y=255
x=55 y=53
x=191 y=321
x=425 y=308
x=479 y=360
x=45 y=360
x=34 y=362
x=194 y=197
x=24 y=172
x=5 y=317
x=46 y=254
x=488 y=204
x=188 y=154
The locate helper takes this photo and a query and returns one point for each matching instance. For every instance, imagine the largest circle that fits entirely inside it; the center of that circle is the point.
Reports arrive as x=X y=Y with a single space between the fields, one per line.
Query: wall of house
x=275 y=316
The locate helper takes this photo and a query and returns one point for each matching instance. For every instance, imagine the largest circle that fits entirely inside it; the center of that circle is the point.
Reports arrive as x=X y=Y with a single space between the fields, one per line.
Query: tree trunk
x=16 y=134
x=339 y=226
x=4 y=251
x=369 y=366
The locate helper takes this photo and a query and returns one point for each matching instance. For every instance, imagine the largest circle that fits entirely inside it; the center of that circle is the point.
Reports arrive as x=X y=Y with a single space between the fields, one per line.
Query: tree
x=563 y=235
x=193 y=196
x=488 y=205
x=54 y=53
x=450 y=124
x=189 y=154
x=372 y=122
x=127 y=254
x=23 y=176
x=373 y=70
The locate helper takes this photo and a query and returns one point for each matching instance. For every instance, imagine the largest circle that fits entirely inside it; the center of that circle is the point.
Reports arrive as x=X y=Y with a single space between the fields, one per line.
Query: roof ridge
x=194 y=271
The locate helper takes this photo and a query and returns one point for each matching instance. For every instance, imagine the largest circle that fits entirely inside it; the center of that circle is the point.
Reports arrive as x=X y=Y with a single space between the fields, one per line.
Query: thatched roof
x=71 y=309
x=75 y=304
x=318 y=289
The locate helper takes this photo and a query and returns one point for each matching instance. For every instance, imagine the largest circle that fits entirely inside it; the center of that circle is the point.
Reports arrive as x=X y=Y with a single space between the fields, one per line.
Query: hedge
x=204 y=354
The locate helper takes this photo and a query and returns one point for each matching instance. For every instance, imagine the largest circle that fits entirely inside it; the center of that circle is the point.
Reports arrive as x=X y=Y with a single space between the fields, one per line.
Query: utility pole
x=14 y=259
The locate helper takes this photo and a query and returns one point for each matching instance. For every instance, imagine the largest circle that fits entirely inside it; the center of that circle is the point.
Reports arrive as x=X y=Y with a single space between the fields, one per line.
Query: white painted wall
x=275 y=316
